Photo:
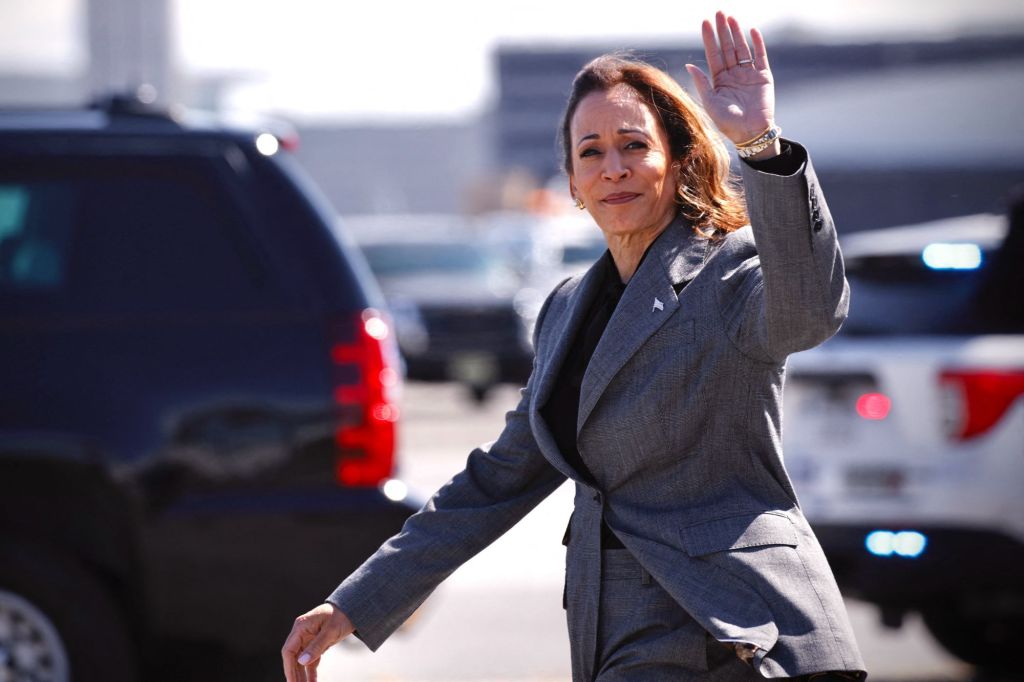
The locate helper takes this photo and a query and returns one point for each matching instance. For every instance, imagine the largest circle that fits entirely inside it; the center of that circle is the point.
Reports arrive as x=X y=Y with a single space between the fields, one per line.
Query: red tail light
x=874 y=406
x=979 y=399
x=366 y=364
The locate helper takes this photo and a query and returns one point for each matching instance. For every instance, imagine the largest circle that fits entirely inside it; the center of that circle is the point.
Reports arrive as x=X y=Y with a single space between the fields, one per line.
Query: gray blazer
x=680 y=423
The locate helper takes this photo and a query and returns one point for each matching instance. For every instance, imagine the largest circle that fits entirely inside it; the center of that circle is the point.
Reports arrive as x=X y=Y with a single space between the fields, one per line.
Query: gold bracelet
x=760 y=144
x=757 y=138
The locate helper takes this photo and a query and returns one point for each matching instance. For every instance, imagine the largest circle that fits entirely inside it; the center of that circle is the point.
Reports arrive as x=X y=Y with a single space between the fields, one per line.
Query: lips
x=620 y=198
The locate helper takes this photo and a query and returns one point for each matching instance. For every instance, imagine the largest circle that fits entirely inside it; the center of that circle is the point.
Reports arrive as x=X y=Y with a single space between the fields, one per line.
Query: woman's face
x=621 y=164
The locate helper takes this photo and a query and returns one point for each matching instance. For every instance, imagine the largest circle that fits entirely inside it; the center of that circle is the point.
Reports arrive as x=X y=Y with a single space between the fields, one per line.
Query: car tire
x=479 y=394
x=57 y=622
x=982 y=642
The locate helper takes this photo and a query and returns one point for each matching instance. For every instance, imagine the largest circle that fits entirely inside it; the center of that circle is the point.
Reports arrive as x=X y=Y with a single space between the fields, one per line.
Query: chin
x=620 y=225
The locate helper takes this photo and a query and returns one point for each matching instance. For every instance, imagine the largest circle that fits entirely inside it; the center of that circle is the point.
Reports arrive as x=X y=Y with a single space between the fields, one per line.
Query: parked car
x=198 y=404
x=453 y=301
x=905 y=433
x=542 y=250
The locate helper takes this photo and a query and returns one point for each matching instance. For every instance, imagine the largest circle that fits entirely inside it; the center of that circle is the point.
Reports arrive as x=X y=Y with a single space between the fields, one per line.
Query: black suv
x=197 y=415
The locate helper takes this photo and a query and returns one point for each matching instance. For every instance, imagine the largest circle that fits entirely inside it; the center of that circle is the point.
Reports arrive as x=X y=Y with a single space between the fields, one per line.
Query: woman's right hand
x=313 y=633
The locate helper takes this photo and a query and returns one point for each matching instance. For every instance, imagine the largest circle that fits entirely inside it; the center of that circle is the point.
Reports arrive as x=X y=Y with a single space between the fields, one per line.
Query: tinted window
x=399 y=259
x=125 y=234
x=35 y=229
x=900 y=295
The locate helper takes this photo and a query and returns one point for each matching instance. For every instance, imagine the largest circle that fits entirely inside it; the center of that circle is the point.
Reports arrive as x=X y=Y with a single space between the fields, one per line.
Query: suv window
x=35 y=229
x=125 y=234
x=900 y=295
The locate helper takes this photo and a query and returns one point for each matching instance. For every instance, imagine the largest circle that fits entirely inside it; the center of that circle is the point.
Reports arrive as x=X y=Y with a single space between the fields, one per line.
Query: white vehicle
x=904 y=434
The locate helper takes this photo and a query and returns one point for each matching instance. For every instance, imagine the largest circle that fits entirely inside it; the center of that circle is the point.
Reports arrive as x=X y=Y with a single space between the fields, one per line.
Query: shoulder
x=563 y=290
x=733 y=247
x=734 y=266
x=559 y=292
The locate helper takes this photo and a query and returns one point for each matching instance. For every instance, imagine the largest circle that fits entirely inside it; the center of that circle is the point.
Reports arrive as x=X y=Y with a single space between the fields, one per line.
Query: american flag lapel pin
x=658 y=305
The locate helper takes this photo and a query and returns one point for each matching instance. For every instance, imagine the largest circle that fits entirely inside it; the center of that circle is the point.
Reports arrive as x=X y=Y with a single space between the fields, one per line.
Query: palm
x=741 y=104
x=739 y=95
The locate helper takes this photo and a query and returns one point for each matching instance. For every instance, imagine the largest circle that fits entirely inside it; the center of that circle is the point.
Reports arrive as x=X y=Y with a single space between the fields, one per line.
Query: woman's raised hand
x=739 y=96
x=314 y=633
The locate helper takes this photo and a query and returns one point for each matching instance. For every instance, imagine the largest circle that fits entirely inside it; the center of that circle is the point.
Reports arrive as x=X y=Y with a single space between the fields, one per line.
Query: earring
x=579 y=204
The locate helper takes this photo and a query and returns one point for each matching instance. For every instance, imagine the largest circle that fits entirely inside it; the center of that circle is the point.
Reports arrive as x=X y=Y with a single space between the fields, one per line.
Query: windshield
x=409 y=259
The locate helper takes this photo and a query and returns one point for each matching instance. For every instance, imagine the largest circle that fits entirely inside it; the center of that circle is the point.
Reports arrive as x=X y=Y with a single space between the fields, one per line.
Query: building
x=899 y=133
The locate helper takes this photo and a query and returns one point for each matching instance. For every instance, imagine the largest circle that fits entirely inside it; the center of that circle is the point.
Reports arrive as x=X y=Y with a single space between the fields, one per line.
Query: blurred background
x=429 y=129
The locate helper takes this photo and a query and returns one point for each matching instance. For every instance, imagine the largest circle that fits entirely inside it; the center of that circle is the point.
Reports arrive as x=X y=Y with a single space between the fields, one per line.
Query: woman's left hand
x=739 y=96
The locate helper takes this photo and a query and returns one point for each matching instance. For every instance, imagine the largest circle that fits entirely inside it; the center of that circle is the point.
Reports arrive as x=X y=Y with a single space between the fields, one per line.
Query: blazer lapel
x=676 y=256
x=578 y=303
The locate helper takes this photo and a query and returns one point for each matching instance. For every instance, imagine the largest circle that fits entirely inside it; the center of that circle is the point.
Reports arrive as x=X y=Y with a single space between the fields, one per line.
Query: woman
x=657 y=389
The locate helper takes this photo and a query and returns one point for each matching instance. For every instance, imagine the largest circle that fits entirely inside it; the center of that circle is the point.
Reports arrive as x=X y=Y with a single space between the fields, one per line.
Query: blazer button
x=818 y=224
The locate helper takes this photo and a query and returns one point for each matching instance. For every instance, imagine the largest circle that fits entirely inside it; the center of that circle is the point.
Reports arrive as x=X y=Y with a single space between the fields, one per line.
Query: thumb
x=316 y=648
x=332 y=628
x=700 y=82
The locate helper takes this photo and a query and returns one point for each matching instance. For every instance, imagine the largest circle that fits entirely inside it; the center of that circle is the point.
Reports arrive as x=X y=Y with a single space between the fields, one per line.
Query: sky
x=341 y=60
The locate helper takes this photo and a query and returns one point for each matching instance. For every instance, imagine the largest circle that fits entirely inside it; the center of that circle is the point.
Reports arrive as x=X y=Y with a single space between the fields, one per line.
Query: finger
x=323 y=641
x=289 y=652
x=293 y=672
x=760 y=51
x=725 y=38
x=701 y=83
x=311 y=674
x=711 y=50
x=742 y=49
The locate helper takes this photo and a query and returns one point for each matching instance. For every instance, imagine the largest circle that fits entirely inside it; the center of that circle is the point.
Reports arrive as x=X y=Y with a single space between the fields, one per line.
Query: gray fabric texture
x=643 y=634
x=680 y=423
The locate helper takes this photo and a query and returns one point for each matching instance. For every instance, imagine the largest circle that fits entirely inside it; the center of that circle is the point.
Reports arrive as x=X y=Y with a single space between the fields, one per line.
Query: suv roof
x=121 y=115
x=986 y=230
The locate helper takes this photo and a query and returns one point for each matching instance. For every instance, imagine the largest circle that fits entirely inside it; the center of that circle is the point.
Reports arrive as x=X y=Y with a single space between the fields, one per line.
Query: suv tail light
x=978 y=399
x=365 y=360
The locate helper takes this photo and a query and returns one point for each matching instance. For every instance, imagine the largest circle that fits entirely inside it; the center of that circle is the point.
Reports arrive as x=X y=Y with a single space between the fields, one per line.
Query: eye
x=588 y=152
x=636 y=144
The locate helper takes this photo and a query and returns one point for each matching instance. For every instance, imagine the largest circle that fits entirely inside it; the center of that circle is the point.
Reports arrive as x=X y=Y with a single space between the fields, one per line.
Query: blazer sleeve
x=501 y=483
x=786 y=291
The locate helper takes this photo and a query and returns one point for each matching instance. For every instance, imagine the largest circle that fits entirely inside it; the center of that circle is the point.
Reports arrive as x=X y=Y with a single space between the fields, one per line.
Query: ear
x=572 y=187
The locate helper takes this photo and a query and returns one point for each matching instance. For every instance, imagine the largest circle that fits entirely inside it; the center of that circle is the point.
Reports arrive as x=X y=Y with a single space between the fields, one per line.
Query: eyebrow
x=595 y=136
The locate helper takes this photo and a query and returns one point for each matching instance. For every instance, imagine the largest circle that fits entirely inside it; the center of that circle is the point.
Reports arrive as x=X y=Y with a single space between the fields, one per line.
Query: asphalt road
x=499 y=617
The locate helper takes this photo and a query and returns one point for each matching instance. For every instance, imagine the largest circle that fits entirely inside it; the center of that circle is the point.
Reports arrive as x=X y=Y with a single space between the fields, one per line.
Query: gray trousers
x=642 y=634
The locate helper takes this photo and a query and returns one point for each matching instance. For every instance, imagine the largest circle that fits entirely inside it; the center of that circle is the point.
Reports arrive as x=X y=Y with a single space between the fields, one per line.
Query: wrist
x=765 y=145
x=749 y=137
x=768 y=152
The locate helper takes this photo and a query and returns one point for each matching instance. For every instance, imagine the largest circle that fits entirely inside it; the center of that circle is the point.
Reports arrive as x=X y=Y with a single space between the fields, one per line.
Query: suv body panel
x=203 y=409
x=875 y=435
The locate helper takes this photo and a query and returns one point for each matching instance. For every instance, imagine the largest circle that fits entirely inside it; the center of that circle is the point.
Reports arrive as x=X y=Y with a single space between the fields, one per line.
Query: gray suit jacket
x=680 y=423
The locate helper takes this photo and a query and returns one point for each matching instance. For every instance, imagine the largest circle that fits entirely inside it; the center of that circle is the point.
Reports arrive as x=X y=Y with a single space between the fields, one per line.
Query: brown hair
x=707 y=195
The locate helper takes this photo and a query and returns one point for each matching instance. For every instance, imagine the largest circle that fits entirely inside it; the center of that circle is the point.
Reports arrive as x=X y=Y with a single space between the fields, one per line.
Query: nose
x=614 y=168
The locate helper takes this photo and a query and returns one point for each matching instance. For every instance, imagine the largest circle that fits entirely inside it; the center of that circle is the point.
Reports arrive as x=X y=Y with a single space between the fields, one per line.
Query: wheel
x=986 y=642
x=56 y=621
x=29 y=642
x=479 y=394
